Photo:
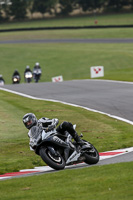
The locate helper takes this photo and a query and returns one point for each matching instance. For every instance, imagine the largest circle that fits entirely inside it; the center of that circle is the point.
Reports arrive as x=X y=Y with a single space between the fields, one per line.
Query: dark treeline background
x=22 y=9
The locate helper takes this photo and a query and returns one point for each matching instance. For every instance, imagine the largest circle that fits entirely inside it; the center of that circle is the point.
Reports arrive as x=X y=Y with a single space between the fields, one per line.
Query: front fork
x=52 y=151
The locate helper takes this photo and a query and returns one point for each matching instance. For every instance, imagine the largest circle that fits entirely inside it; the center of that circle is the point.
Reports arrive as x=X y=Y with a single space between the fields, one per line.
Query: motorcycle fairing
x=74 y=157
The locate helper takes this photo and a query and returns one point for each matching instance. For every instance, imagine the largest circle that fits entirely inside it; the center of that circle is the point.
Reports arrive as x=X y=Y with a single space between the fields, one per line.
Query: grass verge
x=72 y=61
x=61 y=34
x=96 y=183
x=107 y=19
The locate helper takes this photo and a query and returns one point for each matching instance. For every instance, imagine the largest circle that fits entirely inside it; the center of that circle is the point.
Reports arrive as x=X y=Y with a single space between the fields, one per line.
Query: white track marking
x=103 y=156
x=70 y=104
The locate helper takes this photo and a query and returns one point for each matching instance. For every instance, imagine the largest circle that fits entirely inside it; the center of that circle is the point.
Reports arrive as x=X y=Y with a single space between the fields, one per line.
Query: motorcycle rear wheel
x=92 y=156
x=57 y=162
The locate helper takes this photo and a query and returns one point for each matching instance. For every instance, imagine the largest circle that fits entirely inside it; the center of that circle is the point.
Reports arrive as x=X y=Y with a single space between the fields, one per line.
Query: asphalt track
x=110 y=97
x=100 y=40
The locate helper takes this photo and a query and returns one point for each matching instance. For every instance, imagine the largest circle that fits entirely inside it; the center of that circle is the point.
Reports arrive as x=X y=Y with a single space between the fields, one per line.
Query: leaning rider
x=36 y=127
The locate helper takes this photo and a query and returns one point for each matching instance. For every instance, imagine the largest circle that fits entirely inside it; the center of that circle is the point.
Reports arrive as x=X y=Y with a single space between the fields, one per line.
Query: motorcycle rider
x=2 y=81
x=27 y=69
x=16 y=73
x=37 y=72
x=36 y=127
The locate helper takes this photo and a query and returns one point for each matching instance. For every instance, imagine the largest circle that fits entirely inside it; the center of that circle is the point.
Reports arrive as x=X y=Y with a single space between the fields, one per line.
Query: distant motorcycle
x=51 y=146
x=2 y=82
x=37 y=74
x=16 y=79
x=28 y=77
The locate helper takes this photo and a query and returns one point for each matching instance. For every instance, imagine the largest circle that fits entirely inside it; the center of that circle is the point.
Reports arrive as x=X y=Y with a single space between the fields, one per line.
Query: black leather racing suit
x=49 y=124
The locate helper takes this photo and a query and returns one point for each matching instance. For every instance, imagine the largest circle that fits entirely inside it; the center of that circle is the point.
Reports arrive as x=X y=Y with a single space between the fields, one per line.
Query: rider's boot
x=78 y=140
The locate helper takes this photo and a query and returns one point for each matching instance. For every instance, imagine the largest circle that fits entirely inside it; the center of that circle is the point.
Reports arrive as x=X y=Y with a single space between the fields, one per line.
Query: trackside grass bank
x=97 y=183
x=104 y=132
x=72 y=61
x=106 y=19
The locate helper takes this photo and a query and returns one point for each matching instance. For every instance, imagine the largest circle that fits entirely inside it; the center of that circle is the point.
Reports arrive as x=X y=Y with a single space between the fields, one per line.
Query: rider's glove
x=50 y=128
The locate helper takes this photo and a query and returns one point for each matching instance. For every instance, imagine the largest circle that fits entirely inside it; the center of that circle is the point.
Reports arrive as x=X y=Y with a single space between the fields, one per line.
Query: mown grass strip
x=96 y=183
x=105 y=19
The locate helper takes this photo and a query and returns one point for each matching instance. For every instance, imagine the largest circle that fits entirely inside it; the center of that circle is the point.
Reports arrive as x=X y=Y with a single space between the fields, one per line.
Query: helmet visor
x=27 y=121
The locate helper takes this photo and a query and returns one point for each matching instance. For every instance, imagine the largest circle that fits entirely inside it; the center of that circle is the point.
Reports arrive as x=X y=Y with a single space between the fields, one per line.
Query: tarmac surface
x=112 y=97
x=100 y=40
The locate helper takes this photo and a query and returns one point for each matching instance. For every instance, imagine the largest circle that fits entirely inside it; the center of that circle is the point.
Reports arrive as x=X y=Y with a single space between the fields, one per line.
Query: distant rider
x=2 y=81
x=16 y=74
x=37 y=72
x=27 y=69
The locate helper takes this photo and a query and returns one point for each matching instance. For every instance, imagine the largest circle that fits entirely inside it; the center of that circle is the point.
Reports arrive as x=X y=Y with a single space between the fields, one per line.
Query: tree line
x=18 y=9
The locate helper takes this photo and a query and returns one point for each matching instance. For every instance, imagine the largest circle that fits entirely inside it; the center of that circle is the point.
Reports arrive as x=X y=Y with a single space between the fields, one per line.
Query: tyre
x=91 y=156
x=28 y=80
x=56 y=162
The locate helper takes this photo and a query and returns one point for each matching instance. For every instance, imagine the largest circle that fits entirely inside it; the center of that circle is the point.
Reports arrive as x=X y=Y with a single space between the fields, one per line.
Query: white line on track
x=70 y=104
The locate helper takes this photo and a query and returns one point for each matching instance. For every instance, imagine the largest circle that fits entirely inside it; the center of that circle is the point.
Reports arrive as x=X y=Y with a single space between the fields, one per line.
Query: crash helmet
x=29 y=120
x=37 y=64
x=27 y=67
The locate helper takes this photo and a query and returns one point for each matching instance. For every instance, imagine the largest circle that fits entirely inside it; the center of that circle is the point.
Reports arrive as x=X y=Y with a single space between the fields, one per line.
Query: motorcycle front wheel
x=55 y=161
x=91 y=156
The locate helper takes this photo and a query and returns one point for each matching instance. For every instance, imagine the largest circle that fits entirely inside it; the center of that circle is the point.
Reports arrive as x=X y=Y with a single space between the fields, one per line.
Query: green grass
x=72 y=61
x=96 y=183
x=104 y=132
x=107 y=19
x=61 y=34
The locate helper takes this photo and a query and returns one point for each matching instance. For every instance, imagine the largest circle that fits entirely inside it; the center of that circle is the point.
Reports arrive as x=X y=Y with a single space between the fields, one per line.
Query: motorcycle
x=16 y=79
x=37 y=75
x=28 y=77
x=58 y=150
x=2 y=82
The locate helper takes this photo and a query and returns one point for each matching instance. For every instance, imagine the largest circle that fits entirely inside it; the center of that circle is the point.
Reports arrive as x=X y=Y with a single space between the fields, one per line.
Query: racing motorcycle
x=37 y=75
x=16 y=79
x=28 y=77
x=2 y=82
x=58 y=150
